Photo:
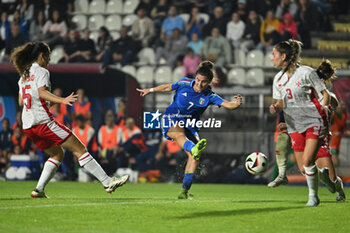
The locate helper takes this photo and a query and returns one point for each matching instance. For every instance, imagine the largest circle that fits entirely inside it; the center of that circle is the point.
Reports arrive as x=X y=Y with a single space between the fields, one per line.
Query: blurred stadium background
x=108 y=48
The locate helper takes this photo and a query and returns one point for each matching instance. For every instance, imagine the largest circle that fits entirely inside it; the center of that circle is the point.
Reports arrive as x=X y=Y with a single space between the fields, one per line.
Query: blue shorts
x=172 y=116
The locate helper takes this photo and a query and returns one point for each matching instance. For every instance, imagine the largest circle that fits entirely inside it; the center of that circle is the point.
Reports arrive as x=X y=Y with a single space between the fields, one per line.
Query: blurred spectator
x=191 y=62
x=85 y=133
x=122 y=51
x=235 y=30
x=131 y=141
x=19 y=138
x=262 y=6
x=251 y=36
x=242 y=9
x=202 y=5
x=143 y=29
x=47 y=7
x=218 y=21
x=104 y=41
x=175 y=46
x=171 y=22
x=121 y=114
x=108 y=142
x=59 y=115
x=216 y=49
x=55 y=29
x=307 y=19
x=86 y=47
x=159 y=13
x=195 y=24
x=8 y=6
x=269 y=31
x=82 y=106
x=71 y=48
x=146 y=160
x=288 y=28
x=26 y=10
x=228 y=7
x=146 y=5
x=36 y=27
x=14 y=40
x=195 y=44
x=5 y=144
x=182 y=6
x=286 y=6
x=5 y=29
x=18 y=120
x=63 y=107
x=78 y=50
x=23 y=24
x=170 y=159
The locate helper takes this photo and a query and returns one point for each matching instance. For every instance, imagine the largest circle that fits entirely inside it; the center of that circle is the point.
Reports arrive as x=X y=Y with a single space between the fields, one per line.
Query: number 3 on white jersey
x=191 y=104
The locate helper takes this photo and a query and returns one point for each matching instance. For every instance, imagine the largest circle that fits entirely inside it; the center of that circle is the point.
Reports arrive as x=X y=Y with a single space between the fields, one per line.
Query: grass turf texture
x=86 y=207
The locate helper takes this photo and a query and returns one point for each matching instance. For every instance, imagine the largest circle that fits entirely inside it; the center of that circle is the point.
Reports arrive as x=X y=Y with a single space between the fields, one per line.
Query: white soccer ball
x=256 y=163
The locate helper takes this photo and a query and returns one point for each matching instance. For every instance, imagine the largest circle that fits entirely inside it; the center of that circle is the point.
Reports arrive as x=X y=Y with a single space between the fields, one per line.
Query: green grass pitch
x=86 y=207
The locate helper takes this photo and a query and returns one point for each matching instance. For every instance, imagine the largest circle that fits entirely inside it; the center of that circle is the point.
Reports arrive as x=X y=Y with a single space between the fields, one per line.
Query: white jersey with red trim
x=299 y=93
x=35 y=110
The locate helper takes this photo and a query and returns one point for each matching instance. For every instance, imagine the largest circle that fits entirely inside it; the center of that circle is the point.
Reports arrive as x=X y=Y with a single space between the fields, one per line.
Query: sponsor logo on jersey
x=184 y=94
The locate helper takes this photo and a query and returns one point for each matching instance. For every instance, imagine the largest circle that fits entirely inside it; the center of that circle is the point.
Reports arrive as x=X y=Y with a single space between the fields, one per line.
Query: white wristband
x=151 y=90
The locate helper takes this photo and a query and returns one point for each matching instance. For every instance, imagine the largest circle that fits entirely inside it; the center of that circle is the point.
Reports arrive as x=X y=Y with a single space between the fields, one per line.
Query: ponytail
x=206 y=68
x=325 y=70
x=24 y=56
x=292 y=49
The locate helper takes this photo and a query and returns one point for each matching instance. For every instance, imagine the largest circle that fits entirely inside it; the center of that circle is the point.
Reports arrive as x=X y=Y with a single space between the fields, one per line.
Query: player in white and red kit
x=295 y=90
x=30 y=61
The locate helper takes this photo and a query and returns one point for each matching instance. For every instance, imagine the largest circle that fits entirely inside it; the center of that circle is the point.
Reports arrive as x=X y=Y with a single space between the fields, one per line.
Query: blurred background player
x=191 y=99
x=338 y=121
x=108 y=143
x=130 y=142
x=30 y=61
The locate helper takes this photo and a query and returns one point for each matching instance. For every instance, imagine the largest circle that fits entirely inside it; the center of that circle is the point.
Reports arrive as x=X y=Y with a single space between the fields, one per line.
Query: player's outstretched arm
x=161 y=88
x=234 y=104
x=276 y=107
x=46 y=95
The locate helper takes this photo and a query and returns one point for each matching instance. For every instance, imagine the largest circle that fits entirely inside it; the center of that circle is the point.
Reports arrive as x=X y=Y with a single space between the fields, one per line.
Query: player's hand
x=143 y=92
x=239 y=99
x=327 y=111
x=282 y=126
x=69 y=100
x=273 y=108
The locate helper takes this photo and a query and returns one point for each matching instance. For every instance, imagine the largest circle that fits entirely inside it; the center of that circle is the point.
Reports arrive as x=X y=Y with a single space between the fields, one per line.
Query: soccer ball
x=256 y=163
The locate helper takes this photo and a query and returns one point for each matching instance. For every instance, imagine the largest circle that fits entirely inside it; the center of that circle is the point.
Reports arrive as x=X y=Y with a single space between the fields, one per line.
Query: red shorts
x=324 y=151
x=48 y=134
x=299 y=139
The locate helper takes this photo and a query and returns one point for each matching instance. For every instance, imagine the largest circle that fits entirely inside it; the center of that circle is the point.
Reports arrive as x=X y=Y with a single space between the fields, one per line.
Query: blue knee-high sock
x=187 y=182
x=189 y=145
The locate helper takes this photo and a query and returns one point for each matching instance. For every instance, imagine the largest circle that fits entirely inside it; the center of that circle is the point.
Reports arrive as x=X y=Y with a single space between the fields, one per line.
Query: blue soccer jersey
x=188 y=104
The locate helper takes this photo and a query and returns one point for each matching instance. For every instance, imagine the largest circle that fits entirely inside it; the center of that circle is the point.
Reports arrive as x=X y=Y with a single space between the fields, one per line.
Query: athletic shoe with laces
x=198 y=148
x=185 y=195
x=37 y=194
x=313 y=201
x=278 y=181
x=115 y=183
x=324 y=176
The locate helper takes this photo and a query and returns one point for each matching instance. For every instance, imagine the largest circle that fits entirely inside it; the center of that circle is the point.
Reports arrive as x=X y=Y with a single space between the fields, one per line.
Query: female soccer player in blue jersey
x=192 y=97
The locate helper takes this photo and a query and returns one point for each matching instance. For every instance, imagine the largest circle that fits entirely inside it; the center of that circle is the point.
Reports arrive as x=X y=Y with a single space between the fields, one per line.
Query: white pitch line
x=107 y=203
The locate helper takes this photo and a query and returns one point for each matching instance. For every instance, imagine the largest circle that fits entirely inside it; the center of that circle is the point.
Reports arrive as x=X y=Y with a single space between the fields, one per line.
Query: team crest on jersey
x=298 y=84
x=201 y=101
